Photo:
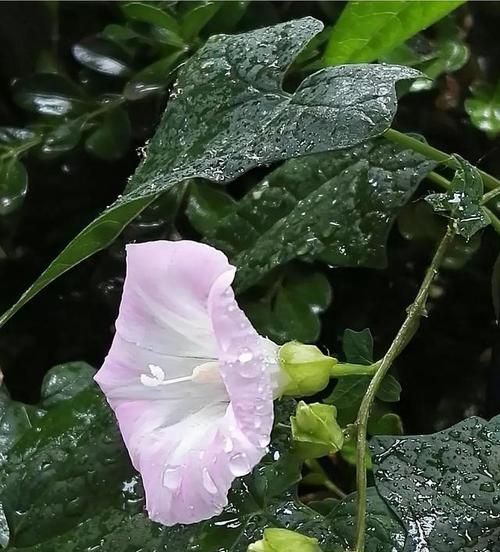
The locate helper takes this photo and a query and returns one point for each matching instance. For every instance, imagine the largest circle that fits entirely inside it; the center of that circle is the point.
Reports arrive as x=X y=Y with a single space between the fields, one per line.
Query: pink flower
x=189 y=379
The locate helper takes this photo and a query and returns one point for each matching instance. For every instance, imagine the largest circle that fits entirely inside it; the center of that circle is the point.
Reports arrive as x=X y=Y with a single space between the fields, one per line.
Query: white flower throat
x=207 y=372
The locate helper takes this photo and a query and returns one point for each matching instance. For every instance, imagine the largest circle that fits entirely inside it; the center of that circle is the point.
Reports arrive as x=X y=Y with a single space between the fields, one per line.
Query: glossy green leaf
x=63 y=138
x=148 y=13
x=452 y=52
x=158 y=25
x=444 y=487
x=228 y=113
x=462 y=202
x=13 y=184
x=103 y=55
x=197 y=17
x=384 y=533
x=207 y=204
x=358 y=346
x=227 y=17
x=390 y=389
x=484 y=107
x=15 y=419
x=291 y=308
x=49 y=94
x=111 y=139
x=338 y=207
x=153 y=78
x=60 y=470
x=68 y=485
x=388 y=424
x=65 y=381
x=13 y=137
x=446 y=52
x=349 y=391
x=367 y=30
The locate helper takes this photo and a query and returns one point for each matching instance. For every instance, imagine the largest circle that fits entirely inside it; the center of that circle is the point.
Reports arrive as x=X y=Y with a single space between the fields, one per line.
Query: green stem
x=315 y=466
x=488 y=196
x=347 y=369
x=489 y=181
x=405 y=333
x=14 y=152
x=494 y=220
x=440 y=180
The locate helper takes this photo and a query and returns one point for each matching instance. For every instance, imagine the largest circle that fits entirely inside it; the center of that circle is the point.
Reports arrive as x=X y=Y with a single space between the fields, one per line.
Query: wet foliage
x=265 y=146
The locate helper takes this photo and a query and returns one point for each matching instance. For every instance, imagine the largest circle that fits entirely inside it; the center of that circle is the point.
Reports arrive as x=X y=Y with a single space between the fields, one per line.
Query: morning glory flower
x=189 y=379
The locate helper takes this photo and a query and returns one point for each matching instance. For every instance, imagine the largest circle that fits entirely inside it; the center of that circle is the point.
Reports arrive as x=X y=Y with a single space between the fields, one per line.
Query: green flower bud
x=306 y=369
x=315 y=430
x=283 y=540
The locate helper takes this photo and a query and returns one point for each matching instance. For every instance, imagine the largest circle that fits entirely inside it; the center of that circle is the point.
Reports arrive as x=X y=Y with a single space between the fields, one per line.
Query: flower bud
x=306 y=369
x=315 y=430
x=283 y=540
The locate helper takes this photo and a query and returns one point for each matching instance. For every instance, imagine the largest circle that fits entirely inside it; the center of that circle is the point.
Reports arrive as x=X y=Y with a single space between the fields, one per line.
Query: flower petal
x=188 y=438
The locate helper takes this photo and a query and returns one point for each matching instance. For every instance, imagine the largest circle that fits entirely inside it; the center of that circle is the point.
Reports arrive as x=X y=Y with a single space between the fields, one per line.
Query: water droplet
x=238 y=464
x=208 y=482
x=245 y=356
x=228 y=445
x=263 y=440
x=172 y=477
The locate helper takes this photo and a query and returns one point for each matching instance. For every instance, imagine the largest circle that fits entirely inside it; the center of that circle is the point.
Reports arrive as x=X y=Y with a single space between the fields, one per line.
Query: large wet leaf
x=444 y=487
x=229 y=113
x=15 y=419
x=368 y=30
x=68 y=485
x=337 y=207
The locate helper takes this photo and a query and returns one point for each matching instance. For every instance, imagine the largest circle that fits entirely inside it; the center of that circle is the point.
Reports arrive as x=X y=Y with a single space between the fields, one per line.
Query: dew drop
x=238 y=464
x=208 y=482
x=228 y=445
x=172 y=477
x=245 y=356
x=263 y=440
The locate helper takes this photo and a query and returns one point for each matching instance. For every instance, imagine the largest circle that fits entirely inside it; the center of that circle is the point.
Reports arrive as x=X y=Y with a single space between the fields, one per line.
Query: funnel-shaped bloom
x=189 y=379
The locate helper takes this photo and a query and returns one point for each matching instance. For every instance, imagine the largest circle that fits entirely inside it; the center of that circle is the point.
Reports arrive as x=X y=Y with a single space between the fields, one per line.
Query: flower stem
x=315 y=466
x=494 y=220
x=407 y=141
x=347 y=369
x=440 y=180
x=490 y=195
x=404 y=335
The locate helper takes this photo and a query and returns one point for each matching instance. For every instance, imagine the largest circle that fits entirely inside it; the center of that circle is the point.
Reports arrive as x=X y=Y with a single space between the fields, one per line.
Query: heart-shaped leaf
x=68 y=485
x=445 y=487
x=462 y=202
x=229 y=113
x=338 y=207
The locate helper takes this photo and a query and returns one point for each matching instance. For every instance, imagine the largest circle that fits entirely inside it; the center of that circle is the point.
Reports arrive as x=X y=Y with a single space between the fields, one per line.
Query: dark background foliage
x=449 y=371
